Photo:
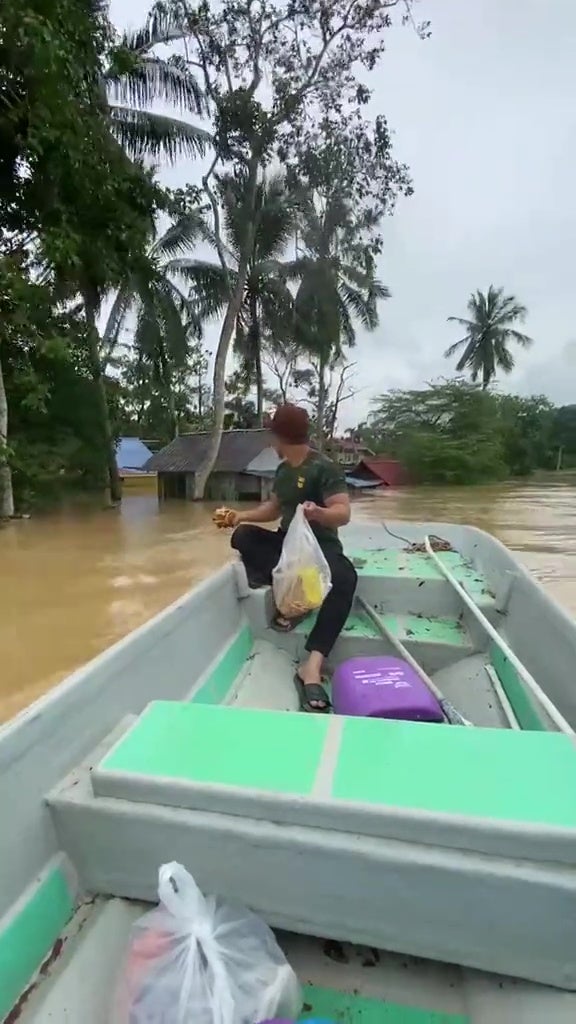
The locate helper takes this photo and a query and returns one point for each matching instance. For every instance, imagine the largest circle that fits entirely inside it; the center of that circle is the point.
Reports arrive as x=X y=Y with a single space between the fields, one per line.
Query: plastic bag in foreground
x=196 y=960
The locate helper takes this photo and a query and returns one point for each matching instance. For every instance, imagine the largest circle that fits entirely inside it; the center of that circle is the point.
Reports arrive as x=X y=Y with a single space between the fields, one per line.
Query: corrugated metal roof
x=185 y=453
x=358 y=484
x=131 y=453
x=265 y=464
x=389 y=471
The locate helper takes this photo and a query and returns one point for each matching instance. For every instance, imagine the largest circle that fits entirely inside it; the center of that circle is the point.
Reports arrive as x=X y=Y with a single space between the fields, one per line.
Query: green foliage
x=149 y=406
x=563 y=433
x=526 y=426
x=55 y=432
x=266 y=308
x=489 y=332
x=456 y=432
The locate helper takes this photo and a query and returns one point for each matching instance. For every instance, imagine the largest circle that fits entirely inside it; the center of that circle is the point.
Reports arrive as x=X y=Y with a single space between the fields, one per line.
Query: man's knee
x=344 y=576
x=240 y=539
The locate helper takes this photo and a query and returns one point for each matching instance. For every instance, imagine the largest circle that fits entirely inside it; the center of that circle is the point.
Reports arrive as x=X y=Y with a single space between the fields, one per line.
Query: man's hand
x=335 y=514
x=225 y=518
x=313 y=512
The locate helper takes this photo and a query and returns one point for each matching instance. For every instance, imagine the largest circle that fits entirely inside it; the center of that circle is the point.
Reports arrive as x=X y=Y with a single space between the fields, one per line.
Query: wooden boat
x=452 y=848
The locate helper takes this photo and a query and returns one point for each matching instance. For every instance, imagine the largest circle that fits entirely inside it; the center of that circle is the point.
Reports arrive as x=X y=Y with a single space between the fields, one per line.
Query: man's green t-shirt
x=315 y=479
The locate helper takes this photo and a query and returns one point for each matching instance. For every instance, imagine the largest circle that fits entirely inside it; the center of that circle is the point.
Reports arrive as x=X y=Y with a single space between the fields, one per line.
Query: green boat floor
x=349 y=1008
x=415 y=628
x=480 y=773
x=484 y=773
x=240 y=747
x=394 y=564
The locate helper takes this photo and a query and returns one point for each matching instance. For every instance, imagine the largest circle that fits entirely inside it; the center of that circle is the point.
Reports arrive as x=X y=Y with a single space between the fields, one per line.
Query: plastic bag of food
x=302 y=579
x=195 y=960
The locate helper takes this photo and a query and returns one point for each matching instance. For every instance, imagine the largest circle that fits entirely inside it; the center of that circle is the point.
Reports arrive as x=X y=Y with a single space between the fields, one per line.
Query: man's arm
x=337 y=512
x=267 y=512
x=335 y=497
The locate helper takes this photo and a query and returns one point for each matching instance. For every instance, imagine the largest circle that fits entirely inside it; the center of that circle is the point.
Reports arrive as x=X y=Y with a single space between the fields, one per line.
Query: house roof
x=389 y=471
x=265 y=464
x=359 y=484
x=131 y=453
x=185 y=453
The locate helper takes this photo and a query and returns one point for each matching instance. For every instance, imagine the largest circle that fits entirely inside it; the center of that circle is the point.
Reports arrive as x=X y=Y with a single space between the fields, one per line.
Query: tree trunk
x=6 y=495
x=115 y=484
x=219 y=380
x=321 y=408
x=169 y=385
x=173 y=415
x=255 y=341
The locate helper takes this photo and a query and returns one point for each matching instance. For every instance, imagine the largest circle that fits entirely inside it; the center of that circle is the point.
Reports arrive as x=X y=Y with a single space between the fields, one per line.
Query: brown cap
x=291 y=424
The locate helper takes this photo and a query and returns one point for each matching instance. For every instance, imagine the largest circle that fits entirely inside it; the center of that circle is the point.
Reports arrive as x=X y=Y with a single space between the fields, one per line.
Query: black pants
x=260 y=550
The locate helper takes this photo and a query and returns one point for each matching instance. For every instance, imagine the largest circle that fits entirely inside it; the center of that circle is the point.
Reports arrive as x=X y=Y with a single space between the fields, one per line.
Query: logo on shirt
x=300 y=482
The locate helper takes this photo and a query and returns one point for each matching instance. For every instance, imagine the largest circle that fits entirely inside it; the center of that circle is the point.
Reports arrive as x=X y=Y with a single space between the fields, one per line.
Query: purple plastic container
x=383 y=687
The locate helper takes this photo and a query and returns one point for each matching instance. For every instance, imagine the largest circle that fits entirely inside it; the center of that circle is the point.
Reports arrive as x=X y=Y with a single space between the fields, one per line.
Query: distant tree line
x=457 y=432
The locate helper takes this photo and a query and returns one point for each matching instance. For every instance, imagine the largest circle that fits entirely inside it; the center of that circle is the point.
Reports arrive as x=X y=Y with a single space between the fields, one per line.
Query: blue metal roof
x=358 y=484
x=132 y=453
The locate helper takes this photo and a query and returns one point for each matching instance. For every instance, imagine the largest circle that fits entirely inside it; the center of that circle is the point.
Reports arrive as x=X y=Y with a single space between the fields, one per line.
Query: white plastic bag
x=194 y=960
x=302 y=579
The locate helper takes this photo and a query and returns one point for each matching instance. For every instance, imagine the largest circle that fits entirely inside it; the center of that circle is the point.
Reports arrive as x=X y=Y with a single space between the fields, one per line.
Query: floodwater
x=74 y=582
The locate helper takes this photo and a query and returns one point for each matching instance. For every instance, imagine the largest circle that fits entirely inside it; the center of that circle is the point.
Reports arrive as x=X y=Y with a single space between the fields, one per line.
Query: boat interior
x=443 y=844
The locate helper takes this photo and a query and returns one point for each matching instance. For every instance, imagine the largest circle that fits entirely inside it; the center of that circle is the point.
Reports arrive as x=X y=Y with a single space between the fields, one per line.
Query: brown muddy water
x=74 y=582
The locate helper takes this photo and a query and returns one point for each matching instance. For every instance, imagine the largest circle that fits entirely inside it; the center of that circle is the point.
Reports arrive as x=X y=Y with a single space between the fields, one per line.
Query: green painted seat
x=408 y=628
x=395 y=564
x=200 y=756
x=389 y=563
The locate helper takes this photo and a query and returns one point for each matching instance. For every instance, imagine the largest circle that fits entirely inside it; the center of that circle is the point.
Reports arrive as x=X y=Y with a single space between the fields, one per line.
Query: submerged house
x=375 y=472
x=244 y=469
x=131 y=457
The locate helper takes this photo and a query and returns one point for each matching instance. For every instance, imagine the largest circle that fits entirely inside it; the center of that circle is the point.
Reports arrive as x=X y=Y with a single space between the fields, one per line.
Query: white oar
x=542 y=698
x=450 y=712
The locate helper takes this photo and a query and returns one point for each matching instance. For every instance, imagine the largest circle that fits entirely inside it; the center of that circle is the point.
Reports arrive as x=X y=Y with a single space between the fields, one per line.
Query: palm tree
x=489 y=332
x=137 y=77
x=338 y=287
x=167 y=323
x=267 y=303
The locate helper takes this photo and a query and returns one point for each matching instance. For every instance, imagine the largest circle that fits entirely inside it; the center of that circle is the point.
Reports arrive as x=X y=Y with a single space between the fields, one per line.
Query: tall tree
x=266 y=308
x=66 y=187
x=485 y=347
x=135 y=77
x=338 y=289
x=346 y=175
x=166 y=322
x=266 y=70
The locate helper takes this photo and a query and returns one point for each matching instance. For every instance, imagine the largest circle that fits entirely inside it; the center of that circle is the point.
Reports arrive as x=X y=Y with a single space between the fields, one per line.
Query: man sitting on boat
x=304 y=477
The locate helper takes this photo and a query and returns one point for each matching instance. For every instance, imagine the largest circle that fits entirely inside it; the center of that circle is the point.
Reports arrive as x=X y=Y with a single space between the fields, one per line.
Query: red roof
x=389 y=471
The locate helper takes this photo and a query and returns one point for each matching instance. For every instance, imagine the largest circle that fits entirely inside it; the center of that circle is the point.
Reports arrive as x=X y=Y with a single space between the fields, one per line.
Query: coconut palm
x=489 y=332
x=337 y=287
x=154 y=296
x=137 y=77
x=267 y=304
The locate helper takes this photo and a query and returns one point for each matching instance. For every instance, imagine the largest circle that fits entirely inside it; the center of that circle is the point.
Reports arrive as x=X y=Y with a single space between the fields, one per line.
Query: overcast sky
x=484 y=113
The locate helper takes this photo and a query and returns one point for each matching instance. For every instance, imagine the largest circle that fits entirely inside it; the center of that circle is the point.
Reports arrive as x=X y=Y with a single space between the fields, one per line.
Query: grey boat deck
x=451 y=844
x=369 y=987
x=266 y=682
